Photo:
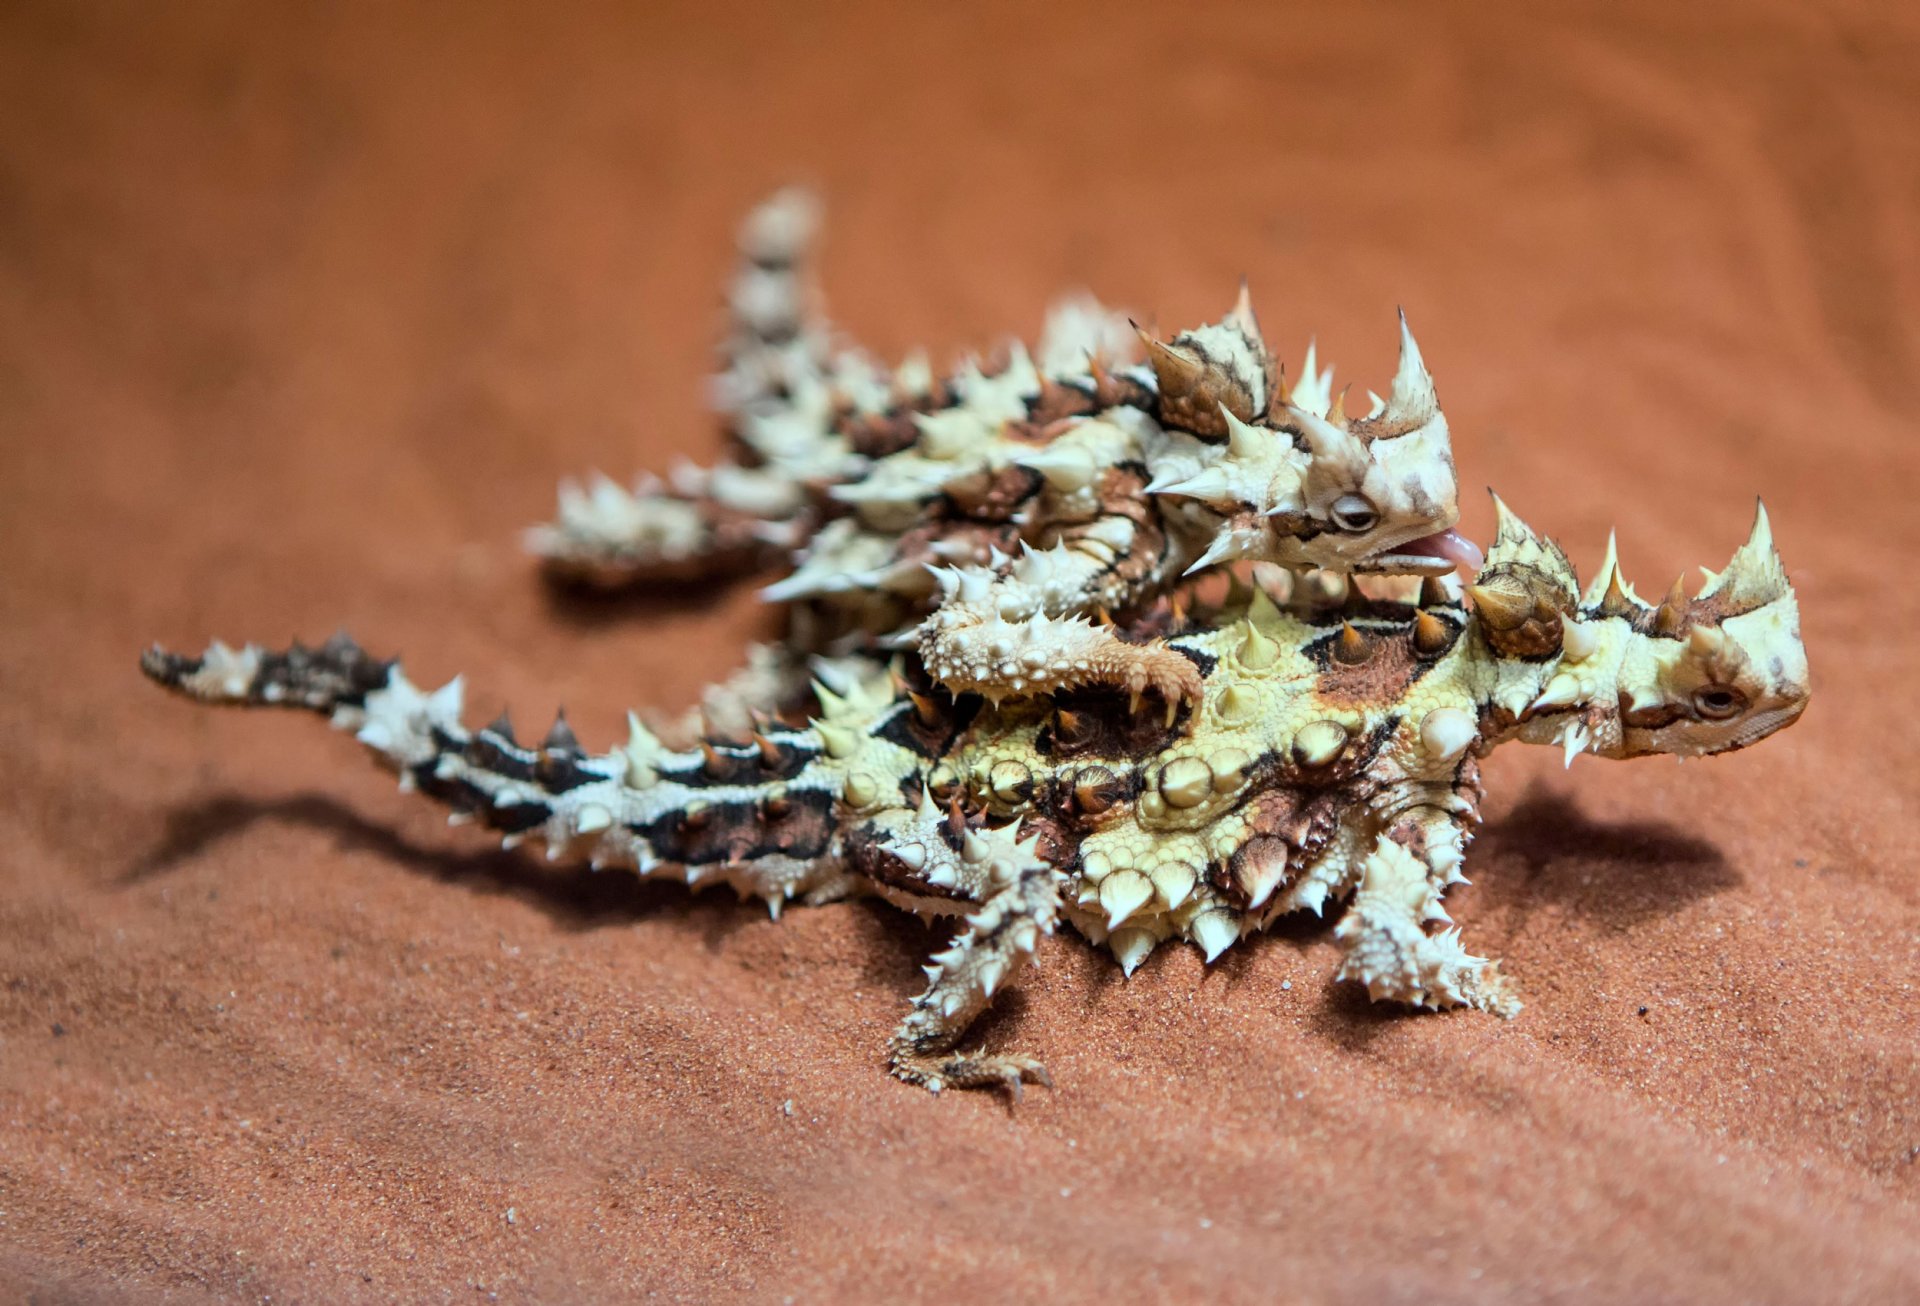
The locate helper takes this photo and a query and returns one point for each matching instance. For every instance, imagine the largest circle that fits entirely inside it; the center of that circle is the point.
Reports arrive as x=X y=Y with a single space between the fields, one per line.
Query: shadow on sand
x=1614 y=873
x=574 y=896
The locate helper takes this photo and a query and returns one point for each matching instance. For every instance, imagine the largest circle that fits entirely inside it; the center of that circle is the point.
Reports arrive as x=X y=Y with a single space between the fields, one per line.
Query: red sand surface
x=301 y=316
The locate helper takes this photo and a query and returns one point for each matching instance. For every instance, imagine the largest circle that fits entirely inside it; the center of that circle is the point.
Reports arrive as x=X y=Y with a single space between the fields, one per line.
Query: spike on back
x=1222 y=365
x=1755 y=576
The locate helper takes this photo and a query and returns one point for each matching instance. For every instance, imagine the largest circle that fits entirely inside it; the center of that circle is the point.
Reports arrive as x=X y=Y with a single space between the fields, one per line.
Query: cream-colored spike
x=1603 y=578
x=1412 y=400
x=1755 y=576
x=1313 y=392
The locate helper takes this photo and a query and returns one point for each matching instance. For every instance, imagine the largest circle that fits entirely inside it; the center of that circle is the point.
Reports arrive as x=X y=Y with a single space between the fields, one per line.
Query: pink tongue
x=1450 y=545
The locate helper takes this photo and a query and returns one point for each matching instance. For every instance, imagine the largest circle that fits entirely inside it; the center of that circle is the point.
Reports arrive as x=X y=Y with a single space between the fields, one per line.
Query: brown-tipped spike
x=1177 y=611
x=769 y=751
x=1432 y=593
x=956 y=816
x=1670 y=618
x=1615 y=602
x=1094 y=790
x=1067 y=724
x=502 y=726
x=1179 y=372
x=1499 y=609
x=1430 y=634
x=560 y=737
x=1241 y=314
x=711 y=761
x=1337 y=410
x=1351 y=647
x=1355 y=602
x=1282 y=391
x=1104 y=391
x=924 y=708
x=1104 y=617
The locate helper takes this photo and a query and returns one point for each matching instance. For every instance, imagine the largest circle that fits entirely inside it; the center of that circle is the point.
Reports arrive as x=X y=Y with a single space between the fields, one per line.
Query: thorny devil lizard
x=1072 y=483
x=1328 y=754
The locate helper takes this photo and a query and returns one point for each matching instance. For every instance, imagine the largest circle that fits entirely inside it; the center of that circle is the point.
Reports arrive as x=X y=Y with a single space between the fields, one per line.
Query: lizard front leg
x=934 y=864
x=1019 y=629
x=1384 y=932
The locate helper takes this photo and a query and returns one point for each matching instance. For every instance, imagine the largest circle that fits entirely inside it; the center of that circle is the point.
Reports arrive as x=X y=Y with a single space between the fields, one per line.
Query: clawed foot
x=1011 y=1071
x=1390 y=951
x=1156 y=669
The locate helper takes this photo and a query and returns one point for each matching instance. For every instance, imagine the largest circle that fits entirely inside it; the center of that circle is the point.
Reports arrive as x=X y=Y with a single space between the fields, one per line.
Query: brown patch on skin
x=1055 y=845
x=1652 y=718
x=1410 y=833
x=1159 y=621
x=1536 y=637
x=1390 y=667
x=1120 y=391
x=1382 y=427
x=1059 y=401
x=878 y=435
x=994 y=496
x=946 y=529
x=1123 y=490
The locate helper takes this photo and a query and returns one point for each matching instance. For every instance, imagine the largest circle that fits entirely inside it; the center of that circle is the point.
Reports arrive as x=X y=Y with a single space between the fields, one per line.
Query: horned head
x=1301 y=483
x=1622 y=677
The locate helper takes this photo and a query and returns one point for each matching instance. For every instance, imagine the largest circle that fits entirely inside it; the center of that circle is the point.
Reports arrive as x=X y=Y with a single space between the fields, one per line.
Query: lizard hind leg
x=1389 y=949
x=1019 y=902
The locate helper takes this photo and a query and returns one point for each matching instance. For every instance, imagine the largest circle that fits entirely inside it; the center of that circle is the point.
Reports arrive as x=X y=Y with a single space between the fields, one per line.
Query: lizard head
x=1304 y=485
x=1620 y=677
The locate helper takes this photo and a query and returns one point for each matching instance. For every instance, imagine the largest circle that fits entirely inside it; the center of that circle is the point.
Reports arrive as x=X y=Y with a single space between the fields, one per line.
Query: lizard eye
x=1353 y=514
x=1719 y=702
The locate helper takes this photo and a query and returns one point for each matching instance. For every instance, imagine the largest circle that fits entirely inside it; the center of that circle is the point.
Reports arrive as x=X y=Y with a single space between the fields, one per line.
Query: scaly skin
x=1329 y=754
x=1126 y=477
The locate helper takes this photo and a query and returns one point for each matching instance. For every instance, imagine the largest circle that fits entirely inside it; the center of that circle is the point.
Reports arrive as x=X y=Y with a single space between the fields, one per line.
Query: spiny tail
x=759 y=815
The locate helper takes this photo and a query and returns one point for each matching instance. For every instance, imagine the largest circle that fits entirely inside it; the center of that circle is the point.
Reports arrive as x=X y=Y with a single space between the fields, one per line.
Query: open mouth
x=1430 y=555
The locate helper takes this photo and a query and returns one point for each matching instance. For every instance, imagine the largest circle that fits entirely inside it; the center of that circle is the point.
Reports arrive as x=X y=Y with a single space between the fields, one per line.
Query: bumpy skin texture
x=1087 y=477
x=1330 y=753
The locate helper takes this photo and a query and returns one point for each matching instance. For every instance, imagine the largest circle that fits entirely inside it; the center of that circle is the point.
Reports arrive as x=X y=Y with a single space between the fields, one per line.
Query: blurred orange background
x=304 y=309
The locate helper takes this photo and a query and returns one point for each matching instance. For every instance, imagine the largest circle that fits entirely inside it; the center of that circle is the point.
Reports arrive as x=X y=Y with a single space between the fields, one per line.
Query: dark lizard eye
x=1718 y=702
x=1353 y=514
